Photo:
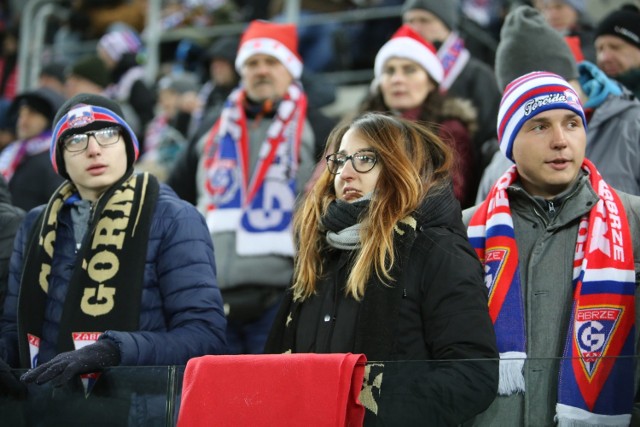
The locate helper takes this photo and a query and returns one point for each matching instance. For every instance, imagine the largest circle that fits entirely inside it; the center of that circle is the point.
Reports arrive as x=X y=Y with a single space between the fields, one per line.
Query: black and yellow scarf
x=106 y=285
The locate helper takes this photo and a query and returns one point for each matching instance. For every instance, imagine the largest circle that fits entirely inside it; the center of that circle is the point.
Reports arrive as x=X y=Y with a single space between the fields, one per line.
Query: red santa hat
x=408 y=44
x=277 y=40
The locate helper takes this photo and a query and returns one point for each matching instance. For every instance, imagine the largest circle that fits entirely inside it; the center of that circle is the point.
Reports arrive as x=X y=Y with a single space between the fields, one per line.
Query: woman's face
x=349 y=184
x=404 y=84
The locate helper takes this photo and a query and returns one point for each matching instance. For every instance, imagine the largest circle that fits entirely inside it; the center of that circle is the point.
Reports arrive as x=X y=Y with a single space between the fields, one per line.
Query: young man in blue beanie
x=142 y=290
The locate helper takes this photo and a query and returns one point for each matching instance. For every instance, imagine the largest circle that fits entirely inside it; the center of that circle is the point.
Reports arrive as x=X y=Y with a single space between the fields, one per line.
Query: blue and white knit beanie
x=86 y=112
x=528 y=96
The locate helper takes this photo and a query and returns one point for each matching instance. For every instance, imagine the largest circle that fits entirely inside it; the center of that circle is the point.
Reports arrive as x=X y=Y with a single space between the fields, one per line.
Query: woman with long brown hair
x=383 y=266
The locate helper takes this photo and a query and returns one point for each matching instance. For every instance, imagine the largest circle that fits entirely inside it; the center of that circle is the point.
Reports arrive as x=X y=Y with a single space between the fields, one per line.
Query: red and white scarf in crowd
x=596 y=376
x=14 y=153
x=454 y=57
x=257 y=204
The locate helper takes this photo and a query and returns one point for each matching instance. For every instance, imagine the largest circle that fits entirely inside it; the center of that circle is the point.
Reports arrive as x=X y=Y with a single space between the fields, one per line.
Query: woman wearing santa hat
x=406 y=84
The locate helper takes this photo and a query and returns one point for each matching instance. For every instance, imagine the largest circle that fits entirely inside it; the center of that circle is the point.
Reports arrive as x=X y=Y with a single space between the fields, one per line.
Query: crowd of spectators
x=240 y=127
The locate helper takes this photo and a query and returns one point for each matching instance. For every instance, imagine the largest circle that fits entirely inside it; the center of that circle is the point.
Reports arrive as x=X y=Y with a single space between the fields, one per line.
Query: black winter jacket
x=436 y=310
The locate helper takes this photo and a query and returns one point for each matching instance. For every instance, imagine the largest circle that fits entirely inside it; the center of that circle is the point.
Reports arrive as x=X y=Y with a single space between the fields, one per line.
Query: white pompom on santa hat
x=268 y=38
x=408 y=44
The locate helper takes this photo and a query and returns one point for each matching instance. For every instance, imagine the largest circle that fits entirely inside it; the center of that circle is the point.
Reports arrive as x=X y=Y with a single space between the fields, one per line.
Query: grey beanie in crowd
x=528 y=43
x=446 y=10
x=180 y=83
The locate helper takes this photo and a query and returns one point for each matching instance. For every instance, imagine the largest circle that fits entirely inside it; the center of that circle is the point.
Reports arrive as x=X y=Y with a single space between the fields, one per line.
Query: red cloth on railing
x=273 y=390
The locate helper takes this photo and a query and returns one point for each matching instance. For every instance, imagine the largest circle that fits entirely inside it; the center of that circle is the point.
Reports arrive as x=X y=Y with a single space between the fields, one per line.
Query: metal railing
x=31 y=43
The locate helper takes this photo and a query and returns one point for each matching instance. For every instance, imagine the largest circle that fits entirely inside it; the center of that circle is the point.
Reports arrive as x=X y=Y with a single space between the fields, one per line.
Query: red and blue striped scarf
x=257 y=204
x=596 y=374
x=454 y=57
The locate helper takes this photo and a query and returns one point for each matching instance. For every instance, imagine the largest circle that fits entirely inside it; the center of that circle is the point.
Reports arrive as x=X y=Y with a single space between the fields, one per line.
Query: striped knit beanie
x=119 y=42
x=87 y=112
x=528 y=96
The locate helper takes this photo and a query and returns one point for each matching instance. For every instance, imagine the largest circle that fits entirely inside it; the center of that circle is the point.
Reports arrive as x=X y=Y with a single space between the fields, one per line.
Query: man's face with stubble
x=264 y=77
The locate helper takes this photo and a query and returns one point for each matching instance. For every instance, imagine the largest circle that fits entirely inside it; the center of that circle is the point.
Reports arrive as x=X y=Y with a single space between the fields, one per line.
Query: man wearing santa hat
x=245 y=174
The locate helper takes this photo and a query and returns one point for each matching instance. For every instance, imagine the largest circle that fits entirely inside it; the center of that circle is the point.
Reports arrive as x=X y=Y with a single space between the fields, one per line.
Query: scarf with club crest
x=596 y=373
x=257 y=205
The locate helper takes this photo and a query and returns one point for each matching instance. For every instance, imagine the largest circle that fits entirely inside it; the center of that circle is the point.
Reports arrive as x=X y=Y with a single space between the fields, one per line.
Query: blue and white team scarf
x=596 y=377
x=257 y=204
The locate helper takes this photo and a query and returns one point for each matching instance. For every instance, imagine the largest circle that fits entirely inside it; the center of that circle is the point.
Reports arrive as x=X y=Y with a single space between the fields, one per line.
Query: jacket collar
x=574 y=205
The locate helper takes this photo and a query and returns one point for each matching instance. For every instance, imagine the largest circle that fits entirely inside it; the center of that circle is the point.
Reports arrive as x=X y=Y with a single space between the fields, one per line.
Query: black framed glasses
x=80 y=141
x=362 y=161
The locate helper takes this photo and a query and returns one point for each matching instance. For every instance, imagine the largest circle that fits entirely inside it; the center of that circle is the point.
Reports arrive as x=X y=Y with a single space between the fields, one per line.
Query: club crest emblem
x=224 y=182
x=493 y=266
x=80 y=116
x=572 y=99
x=595 y=326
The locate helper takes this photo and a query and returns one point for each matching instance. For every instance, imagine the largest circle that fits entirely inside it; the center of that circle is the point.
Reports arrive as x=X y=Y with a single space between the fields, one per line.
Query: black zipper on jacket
x=550 y=204
x=552 y=207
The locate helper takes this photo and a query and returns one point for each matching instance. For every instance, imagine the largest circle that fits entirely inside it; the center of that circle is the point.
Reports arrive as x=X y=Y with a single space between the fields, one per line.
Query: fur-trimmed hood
x=463 y=110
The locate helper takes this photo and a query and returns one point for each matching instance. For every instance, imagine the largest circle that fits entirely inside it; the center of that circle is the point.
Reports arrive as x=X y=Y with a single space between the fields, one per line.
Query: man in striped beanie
x=613 y=113
x=558 y=244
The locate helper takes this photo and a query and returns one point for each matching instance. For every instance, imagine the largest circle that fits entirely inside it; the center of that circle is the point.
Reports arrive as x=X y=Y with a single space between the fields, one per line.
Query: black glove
x=63 y=367
x=10 y=385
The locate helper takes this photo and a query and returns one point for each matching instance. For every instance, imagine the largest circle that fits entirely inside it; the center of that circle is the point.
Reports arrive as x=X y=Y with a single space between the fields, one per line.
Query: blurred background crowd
x=170 y=64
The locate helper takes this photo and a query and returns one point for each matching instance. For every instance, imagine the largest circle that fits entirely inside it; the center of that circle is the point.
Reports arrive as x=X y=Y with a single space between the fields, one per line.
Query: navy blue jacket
x=181 y=314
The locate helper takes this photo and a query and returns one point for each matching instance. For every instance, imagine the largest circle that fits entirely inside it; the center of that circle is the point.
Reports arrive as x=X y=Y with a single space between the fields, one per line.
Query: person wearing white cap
x=407 y=77
x=558 y=247
x=245 y=174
